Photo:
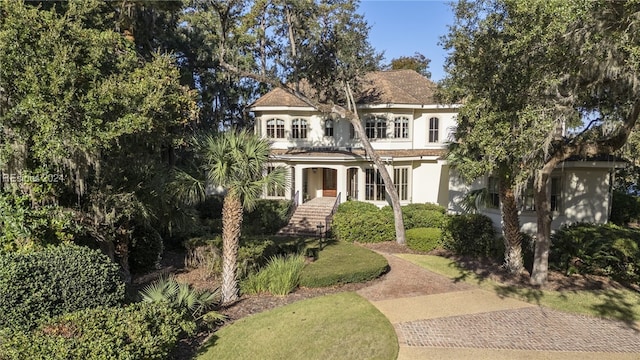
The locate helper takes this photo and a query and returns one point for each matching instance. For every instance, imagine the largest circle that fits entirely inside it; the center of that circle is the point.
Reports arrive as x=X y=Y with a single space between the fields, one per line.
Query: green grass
x=620 y=304
x=339 y=326
x=341 y=263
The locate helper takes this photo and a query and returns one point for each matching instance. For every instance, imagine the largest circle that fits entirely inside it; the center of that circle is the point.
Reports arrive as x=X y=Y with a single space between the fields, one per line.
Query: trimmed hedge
x=423 y=239
x=471 y=234
x=140 y=331
x=55 y=281
x=343 y=263
x=364 y=222
x=597 y=249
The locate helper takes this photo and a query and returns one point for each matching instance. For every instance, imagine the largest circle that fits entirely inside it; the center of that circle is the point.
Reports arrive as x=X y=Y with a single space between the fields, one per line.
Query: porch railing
x=327 y=220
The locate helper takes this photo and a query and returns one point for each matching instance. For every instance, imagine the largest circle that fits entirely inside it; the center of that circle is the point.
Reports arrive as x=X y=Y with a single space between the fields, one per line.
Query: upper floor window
x=401 y=128
x=434 y=126
x=376 y=127
x=352 y=131
x=328 y=127
x=299 y=129
x=275 y=128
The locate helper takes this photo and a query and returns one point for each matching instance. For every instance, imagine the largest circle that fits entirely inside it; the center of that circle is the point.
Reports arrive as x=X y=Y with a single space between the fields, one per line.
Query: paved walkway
x=436 y=318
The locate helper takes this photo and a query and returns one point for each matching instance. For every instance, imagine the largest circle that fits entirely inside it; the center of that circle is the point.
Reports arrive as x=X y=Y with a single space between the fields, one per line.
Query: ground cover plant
x=602 y=300
x=339 y=326
x=341 y=263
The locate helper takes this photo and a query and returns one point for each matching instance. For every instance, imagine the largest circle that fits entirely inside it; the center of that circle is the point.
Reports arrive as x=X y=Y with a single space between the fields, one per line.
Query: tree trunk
x=540 y=270
x=386 y=178
x=510 y=229
x=231 y=224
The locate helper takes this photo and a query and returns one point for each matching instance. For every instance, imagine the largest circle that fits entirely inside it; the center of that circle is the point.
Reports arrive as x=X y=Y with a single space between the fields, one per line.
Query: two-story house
x=409 y=131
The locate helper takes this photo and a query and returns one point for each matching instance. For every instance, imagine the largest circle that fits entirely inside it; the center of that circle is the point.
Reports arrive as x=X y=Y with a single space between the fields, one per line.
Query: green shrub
x=146 y=250
x=343 y=263
x=180 y=296
x=422 y=218
x=280 y=277
x=425 y=207
x=55 y=281
x=356 y=206
x=139 y=331
x=362 y=222
x=624 y=208
x=423 y=239
x=470 y=234
x=597 y=249
x=27 y=227
x=267 y=217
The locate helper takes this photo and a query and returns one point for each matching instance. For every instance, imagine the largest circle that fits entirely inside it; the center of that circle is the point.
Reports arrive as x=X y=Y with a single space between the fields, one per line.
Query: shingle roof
x=378 y=87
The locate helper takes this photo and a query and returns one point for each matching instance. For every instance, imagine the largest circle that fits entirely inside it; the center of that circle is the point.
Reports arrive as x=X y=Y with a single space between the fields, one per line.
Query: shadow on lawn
x=611 y=299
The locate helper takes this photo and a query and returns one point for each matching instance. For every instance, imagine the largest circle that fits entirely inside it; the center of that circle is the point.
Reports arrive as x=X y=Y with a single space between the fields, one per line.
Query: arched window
x=376 y=127
x=275 y=128
x=299 y=129
x=434 y=124
x=401 y=128
x=328 y=127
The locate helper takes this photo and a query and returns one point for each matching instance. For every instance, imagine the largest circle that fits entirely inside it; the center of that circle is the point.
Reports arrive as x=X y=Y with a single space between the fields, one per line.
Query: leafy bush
x=422 y=218
x=356 y=206
x=280 y=277
x=470 y=234
x=597 y=249
x=362 y=222
x=180 y=297
x=204 y=253
x=55 y=281
x=139 y=331
x=26 y=227
x=343 y=263
x=146 y=250
x=425 y=207
x=423 y=239
x=624 y=208
x=267 y=217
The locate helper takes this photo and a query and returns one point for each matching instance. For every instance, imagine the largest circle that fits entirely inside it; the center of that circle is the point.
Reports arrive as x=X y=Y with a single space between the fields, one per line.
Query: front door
x=329 y=183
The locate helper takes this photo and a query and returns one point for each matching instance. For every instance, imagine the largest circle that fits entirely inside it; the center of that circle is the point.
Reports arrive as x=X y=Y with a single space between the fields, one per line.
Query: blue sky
x=400 y=28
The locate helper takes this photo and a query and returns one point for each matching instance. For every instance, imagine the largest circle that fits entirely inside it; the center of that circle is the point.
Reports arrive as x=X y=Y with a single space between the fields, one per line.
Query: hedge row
x=364 y=222
x=55 y=281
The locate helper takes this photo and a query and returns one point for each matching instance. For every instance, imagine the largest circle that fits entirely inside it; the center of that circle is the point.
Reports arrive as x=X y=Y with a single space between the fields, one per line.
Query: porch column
x=297 y=171
x=341 y=184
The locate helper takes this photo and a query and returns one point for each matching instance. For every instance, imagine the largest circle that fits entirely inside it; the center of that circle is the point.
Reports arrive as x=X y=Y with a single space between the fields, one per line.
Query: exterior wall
x=418 y=129
x=585 y=198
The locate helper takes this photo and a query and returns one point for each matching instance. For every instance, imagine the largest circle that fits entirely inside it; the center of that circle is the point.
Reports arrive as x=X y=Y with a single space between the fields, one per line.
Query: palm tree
x=234 y=161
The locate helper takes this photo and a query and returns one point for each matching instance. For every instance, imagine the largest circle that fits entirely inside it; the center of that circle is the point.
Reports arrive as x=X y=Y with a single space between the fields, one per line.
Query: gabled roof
x=378 y=87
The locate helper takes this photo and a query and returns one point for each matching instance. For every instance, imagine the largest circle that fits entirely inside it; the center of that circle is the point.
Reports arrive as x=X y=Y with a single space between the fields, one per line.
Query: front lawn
x=339 y=326
x=620 y=304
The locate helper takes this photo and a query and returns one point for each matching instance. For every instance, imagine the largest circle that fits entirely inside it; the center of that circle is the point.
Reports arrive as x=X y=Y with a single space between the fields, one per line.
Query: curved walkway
x=437 y=318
